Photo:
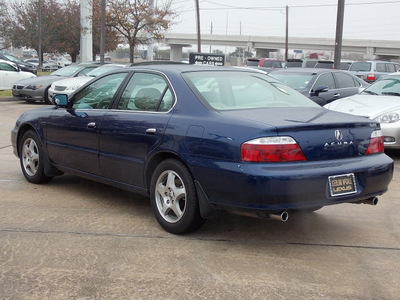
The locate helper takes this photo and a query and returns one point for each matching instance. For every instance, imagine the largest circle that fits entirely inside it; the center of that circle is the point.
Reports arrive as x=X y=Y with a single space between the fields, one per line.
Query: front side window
x=100 y=93
x=7 y=67
x=234 y=90
x=146 y=92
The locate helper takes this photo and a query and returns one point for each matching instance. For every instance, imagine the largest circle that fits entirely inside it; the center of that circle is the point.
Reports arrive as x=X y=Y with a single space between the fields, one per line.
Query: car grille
x=59 y=88
x=17 y=87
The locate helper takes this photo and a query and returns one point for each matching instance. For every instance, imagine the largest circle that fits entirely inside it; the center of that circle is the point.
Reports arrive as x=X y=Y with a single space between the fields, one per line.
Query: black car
x=23 y=66
x=321 y=85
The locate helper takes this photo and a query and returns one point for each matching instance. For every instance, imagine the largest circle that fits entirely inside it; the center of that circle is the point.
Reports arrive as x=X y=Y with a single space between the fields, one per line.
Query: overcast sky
x=363 y=19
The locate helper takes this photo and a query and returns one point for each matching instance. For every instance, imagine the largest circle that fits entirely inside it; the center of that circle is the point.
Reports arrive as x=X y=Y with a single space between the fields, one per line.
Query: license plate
x=342 y=185
x=15 y=93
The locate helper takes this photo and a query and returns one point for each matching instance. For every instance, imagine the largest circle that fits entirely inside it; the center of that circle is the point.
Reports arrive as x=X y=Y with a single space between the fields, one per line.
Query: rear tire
x=174 y=199
x=31 y=158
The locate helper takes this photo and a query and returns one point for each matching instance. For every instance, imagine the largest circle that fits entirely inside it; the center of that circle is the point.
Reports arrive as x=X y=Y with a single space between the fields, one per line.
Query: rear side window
x=391 y=68
x=361 y=66
x=325 y=79
x=380 y=67
x=146 y=92
x=345 y=80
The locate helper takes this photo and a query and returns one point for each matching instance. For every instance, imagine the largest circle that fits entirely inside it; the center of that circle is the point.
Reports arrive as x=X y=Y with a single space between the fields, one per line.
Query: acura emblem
x=338 y=135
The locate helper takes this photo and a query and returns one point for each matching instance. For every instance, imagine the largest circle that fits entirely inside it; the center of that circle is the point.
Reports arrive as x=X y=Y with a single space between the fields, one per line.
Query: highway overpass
x=263 y=45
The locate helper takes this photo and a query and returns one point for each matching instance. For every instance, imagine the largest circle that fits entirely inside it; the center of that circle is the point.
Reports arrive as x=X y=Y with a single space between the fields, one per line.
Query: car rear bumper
x=285 y=186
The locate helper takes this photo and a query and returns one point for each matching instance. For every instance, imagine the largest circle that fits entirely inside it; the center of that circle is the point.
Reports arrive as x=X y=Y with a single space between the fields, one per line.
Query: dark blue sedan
x=200 y=140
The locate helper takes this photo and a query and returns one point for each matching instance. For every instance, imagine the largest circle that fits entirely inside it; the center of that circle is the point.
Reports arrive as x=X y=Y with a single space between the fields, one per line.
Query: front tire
x=31 y=158
x=173 y=198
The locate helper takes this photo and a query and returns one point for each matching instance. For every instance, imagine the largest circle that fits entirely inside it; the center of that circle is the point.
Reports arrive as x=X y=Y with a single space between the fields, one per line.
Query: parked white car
x=10 y=73
x=69 y=85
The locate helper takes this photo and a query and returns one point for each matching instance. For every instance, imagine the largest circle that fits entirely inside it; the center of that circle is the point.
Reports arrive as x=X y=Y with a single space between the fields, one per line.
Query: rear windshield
x=233 y=90
x=360 y=66
x=272 y=64
x=252 y=63
x=294 y=64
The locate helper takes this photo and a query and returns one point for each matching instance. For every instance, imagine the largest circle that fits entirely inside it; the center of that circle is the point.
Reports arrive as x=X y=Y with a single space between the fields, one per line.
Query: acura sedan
x=321 y=85
x=199 y=140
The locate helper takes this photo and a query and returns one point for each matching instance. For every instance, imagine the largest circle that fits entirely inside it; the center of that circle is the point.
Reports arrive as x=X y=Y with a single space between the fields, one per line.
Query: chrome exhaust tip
x=282 y=216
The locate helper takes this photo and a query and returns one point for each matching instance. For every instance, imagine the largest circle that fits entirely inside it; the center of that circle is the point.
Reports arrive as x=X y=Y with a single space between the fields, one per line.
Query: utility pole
x=198 y=26
x=339 y=35
x=287 y=34
x=150 y=46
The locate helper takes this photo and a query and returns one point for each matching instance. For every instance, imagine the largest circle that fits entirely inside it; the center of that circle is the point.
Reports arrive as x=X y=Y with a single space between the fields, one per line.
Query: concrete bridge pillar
x=176 y=52
x=370 y=54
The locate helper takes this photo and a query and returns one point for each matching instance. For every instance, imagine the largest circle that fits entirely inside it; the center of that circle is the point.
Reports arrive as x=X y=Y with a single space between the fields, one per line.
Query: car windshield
x=296 y=81
x=234 y=90
x=386 y=86
x=67 y=71
x=360 y=66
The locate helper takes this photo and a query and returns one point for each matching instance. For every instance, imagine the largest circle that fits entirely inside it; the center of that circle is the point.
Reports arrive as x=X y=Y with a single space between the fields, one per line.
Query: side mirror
x=321 y=89
x=61 y=100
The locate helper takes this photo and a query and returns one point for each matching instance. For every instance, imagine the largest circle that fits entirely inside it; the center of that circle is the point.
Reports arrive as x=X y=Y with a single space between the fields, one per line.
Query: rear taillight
x=271 y=149
x=370 y=77
x=376 y=143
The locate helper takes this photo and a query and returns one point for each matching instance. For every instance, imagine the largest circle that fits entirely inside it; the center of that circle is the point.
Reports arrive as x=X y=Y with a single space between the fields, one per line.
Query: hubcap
x=30 y=157
x=170 y=196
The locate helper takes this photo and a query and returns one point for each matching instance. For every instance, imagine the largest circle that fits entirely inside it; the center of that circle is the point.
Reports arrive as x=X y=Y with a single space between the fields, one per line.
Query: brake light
x=376 y=143
x=271 y=149
x=370 y=77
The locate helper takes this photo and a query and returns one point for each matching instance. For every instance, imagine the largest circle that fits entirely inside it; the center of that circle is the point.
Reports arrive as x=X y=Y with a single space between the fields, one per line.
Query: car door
x=72 y=132
x=346 y=85
x=323 y=97
x=134 y=129
x=8 y=76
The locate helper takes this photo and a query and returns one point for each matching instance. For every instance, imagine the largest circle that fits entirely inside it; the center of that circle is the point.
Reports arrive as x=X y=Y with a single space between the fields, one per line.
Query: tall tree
x=139 y=21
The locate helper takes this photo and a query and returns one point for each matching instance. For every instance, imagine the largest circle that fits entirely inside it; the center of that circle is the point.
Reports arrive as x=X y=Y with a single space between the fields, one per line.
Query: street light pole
x=339 y=35
x=198 y=26
x=287 y=34
x=40 y=36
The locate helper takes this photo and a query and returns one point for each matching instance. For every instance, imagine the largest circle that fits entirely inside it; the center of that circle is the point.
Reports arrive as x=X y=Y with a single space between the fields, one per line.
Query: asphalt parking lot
x=76 y=239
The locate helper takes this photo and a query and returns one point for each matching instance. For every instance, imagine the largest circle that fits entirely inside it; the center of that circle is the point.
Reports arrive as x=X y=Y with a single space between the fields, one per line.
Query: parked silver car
x=36 y=89
x=371 y=70
x=381 y=102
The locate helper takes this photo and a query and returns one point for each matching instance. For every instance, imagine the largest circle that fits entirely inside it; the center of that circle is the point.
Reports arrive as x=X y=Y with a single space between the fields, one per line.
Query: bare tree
x=139 y=21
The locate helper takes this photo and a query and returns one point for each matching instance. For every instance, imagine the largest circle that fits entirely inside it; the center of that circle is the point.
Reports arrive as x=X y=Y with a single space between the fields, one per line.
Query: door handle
x=91 y=125
x=151 y=131
x=336 y=95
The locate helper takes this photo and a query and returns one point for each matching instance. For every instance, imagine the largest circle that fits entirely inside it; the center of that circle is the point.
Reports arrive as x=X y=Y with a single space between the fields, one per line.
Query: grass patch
x=5 y=94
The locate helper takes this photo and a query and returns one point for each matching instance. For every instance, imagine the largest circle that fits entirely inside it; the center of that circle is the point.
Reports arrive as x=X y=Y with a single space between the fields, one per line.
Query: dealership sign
x=206 y=59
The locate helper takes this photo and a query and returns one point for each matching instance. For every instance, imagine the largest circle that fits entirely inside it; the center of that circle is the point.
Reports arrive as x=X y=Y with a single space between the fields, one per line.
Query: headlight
x=34 y=87
x=391 y=117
